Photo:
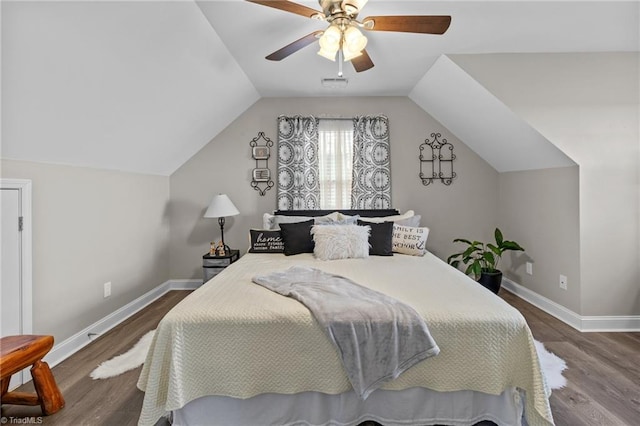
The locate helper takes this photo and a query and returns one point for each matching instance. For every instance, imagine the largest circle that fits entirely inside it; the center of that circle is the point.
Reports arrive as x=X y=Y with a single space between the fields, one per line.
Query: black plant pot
x=491 y=280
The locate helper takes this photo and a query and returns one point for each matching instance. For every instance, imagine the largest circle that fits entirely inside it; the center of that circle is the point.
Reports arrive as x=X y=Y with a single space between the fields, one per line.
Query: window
x=335 y=157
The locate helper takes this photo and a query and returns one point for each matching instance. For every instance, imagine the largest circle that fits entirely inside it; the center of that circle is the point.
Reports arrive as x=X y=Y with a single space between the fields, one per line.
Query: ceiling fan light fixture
x=354 y=41
x=329 y=54
x=349 y=55
x=331 y=38
x=349 y=8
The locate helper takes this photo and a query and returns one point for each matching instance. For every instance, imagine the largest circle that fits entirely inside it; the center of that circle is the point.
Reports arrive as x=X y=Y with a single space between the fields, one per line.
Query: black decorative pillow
x=297 y=237
x=266 y=241
x=380 y=239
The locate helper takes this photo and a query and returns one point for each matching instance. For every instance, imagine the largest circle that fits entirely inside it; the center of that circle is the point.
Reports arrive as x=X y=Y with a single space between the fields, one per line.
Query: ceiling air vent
x=335 y=83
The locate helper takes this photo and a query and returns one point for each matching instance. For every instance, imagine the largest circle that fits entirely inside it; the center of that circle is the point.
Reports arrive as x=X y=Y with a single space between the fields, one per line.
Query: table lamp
x=220 y=207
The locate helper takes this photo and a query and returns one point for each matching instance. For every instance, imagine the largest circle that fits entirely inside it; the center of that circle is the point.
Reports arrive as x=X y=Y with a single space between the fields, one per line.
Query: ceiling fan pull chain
x=340 y=63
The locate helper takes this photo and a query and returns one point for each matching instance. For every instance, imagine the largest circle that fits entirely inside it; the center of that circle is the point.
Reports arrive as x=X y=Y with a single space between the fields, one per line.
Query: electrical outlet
x=107 y=289
x=563 y=282
x=529 y=268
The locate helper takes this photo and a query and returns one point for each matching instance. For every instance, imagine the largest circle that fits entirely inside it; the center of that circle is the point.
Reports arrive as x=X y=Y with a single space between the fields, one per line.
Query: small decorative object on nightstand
x=213 y=265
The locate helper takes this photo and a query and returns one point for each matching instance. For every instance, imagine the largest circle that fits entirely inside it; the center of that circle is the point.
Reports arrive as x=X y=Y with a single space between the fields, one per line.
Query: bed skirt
x=413 y=406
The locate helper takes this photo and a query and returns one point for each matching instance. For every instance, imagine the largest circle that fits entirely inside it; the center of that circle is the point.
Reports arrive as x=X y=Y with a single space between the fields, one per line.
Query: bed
x=233 y=352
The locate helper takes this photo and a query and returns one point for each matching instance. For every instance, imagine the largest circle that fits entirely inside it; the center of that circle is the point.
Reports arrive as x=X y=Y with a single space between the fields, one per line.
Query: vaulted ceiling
x=252 y=31
x=142 y=86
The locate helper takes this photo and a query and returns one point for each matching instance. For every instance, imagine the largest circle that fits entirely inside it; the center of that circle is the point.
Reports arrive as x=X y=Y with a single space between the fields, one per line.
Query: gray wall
x=91 y=226
x=540 y=210
x=588 y=105
x=467 y=208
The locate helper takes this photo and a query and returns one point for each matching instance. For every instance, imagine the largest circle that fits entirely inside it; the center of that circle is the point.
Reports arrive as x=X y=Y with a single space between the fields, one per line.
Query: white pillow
x=327 y=219
x=270 y=221
x=410 y=221
x=410 y=240
x=340 y=241
x=407 y=215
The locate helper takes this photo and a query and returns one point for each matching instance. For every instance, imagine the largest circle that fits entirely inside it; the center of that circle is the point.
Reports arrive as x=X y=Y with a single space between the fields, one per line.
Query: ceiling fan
x=343 y=37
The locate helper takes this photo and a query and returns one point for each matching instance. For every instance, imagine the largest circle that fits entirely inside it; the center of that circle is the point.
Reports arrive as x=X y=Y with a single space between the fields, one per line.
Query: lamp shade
x=221 y=206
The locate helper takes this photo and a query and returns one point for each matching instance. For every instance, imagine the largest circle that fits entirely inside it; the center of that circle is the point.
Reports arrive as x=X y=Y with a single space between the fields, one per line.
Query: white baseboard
x=624 y=323
x=73 y=344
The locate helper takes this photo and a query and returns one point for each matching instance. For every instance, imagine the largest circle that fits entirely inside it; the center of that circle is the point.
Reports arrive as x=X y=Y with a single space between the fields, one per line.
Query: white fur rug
x=552 y=365
x=129 y=360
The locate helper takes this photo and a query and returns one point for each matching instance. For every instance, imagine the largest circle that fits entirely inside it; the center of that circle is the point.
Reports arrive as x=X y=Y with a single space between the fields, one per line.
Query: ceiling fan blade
x=362 y=62
x=292 y=48
x=408 y=24
x=289 y=6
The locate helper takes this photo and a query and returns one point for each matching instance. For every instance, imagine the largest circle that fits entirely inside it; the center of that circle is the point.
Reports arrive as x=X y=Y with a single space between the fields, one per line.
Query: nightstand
x=213 y=265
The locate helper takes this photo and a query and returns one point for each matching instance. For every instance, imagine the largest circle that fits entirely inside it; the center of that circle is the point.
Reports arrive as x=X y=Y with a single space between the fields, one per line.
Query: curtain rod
x=350 y=118
x=328 y=117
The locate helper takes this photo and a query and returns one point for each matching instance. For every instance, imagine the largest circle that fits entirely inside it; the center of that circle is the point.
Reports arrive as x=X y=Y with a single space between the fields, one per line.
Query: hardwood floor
x=603 y=376
x=114 y=401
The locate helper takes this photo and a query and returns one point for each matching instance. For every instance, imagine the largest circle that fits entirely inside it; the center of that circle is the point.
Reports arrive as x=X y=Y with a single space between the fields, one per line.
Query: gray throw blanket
x=377 y=337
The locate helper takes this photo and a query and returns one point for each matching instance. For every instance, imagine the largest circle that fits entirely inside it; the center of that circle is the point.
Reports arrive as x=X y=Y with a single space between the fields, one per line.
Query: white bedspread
x=232 y=337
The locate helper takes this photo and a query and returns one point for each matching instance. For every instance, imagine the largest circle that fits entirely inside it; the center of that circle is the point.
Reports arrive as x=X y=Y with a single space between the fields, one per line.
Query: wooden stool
x=19 y=352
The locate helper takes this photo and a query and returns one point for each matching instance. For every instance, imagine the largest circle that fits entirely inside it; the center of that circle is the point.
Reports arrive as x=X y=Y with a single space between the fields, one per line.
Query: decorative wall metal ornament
x=437 y=155
x=261 y=173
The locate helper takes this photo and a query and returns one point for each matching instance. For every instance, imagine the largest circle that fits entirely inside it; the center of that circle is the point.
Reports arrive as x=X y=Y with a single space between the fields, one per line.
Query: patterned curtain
x=371 y=163
x=298 y=174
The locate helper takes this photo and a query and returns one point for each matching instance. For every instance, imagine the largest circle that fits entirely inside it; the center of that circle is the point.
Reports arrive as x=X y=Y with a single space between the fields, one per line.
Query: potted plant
x=482 y=259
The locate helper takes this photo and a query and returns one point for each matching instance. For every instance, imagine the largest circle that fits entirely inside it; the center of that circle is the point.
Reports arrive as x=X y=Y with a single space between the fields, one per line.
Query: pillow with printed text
x=265 y=241
x=410 y=240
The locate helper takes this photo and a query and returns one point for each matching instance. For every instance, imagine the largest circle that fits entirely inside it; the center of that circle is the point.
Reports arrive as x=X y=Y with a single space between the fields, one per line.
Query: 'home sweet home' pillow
x=266 y=241
x=410 y=240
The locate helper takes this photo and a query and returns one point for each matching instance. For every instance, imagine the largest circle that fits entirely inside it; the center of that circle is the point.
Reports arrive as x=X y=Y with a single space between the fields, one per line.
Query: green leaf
x=453 y=256
x=511 y=245
x=477 y=270
x=462 y=240
x=488 y=256
x=469 y=269
x=495 y=249
x=498 y=235
x=455 y=263
x=470 y=250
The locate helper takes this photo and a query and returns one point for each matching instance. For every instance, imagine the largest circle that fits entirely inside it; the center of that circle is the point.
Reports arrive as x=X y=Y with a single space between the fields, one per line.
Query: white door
x=10 y=287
